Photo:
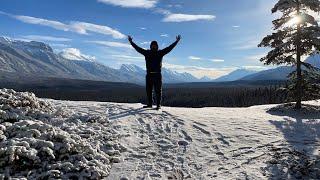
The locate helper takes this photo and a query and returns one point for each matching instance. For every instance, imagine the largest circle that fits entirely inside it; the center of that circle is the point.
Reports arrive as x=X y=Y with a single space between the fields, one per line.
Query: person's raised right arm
x=136 y=47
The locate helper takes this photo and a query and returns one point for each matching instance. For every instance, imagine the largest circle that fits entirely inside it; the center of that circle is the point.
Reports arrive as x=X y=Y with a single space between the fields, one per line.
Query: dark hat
x=154 y=43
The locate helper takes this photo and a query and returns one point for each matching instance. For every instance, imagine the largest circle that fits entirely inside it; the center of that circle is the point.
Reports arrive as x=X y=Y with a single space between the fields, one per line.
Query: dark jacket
x=154 y=58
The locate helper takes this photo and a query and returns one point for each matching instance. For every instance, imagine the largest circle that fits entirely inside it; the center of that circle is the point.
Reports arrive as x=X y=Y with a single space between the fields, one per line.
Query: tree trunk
x=299 y=82
x=299 y=90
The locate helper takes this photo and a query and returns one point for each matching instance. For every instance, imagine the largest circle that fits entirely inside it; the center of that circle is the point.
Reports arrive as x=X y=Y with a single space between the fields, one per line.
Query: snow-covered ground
x=207 y=143
x=125 y=141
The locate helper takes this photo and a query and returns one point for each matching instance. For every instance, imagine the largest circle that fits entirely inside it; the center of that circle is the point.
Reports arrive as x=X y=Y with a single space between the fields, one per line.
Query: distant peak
x=26 y=44
x=76 y=55
x=40 y=45
x=206 y=78
x=314 y=60
x=6 y=39
x=131 y=67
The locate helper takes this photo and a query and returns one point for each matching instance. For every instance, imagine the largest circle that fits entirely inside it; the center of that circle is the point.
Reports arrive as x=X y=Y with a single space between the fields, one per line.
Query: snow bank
x=39 y=140
x=289 y=109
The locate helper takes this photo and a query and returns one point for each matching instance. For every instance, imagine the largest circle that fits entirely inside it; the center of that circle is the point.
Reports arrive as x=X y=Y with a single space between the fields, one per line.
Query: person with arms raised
x=153 y=58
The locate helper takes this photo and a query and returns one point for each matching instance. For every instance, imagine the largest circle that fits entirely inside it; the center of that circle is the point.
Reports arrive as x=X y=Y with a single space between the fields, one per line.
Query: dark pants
x=154 y=80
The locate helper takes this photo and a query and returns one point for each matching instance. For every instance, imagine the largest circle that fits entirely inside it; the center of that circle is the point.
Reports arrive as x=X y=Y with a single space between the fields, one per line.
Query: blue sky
x=218 y=36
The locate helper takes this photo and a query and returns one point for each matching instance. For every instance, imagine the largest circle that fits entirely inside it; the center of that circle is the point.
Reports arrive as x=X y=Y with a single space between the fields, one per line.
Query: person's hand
x=130 y=38
x=178 y=38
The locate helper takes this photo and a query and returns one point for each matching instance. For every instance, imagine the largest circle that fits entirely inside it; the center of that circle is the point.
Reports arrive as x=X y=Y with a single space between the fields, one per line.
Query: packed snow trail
x=207 y=143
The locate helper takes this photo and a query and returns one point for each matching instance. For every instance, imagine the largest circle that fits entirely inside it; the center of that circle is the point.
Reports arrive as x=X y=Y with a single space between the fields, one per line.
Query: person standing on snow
x=153 y=58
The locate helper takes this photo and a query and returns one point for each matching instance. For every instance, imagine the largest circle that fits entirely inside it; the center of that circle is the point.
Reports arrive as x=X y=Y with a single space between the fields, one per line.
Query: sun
x=294 y=21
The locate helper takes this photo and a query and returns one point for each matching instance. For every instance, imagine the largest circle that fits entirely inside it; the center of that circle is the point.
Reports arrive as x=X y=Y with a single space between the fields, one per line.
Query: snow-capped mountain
x=137 y=73
x=235 y=75
x=39 y=59
x=4 y=39
x=175 y=77
x=89 y=64
x=205 y=79
x=282 y=72
x=133 y=73
x=314 y=60
x=131 y=68
x=75 y=54
x=36 y=58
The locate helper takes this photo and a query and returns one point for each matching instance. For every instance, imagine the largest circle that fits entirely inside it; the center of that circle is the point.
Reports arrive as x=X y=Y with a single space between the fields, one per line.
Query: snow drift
x=39 y=140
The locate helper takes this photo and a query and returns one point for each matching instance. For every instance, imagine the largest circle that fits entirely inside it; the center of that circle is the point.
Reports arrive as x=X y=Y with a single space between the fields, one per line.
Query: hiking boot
x=158 y=108
x=147 y=106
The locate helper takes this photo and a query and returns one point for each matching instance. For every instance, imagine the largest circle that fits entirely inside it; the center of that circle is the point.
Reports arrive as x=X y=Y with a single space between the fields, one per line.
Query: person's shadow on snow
x=125 y=113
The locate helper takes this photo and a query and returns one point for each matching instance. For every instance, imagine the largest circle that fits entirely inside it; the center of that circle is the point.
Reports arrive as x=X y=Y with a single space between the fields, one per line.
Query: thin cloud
x=210 y=72
x=246 y=45
x=146 y=43
x=212 y=60
x=217 y=60
x=112 y=44
x=256 y=68
x=187 y=17
x=83 y=27
x=194 y=58
x=132 y=3
x=162 y=11
x=127 y=56
x=180 y=17
x=174 y=6
x=44 y=22
x=164 y=35
x=255 y=57
x=78 y=27
x=46 y=38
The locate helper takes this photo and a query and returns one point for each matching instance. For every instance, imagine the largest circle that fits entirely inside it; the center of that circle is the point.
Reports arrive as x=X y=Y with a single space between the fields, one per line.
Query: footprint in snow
x=202 y=129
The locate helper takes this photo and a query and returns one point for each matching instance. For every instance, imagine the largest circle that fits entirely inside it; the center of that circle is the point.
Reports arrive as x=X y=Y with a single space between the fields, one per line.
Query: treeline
x=223 y=96
x=232 y=96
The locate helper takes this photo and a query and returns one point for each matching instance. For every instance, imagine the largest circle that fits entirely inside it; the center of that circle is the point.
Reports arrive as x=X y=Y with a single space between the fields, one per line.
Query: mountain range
x=235 y=75
x=38 y=59
x=279 y=73
x=282 y=72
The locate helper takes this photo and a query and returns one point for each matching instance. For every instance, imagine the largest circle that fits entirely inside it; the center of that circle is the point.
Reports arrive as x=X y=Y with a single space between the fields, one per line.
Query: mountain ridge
x=282 y=72
x=39 y=59
x=235 y=75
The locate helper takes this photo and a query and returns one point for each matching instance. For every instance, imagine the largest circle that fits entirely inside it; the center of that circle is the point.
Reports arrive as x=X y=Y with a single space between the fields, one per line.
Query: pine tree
x=297 y=35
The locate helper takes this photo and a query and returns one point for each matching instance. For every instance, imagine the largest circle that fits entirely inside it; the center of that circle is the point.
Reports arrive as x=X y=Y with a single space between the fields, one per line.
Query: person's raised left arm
x=170 y=48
